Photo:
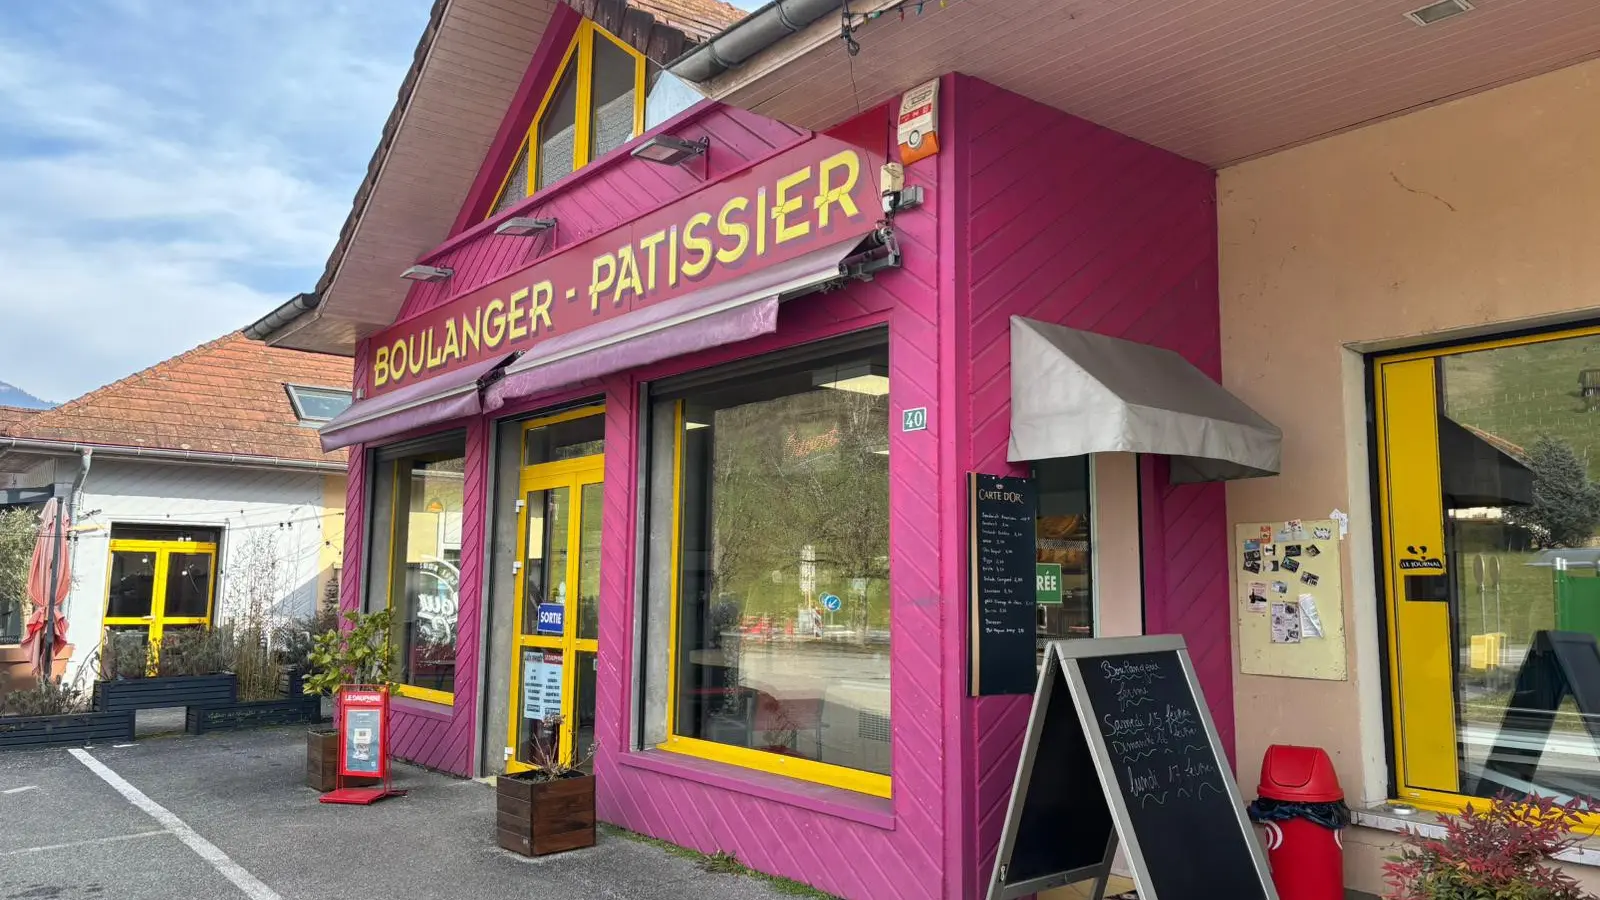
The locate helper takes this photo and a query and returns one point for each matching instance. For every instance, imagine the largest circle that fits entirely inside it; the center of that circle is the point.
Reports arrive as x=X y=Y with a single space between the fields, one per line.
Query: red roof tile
x=11 y=415
x=227 y=396
x=699 y=19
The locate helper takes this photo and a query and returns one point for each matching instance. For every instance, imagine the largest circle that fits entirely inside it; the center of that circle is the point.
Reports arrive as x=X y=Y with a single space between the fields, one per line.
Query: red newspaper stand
x=363 y=720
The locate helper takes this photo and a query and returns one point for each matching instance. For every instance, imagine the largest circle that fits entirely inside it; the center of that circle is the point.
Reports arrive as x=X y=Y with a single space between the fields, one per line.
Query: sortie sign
x=774 y=211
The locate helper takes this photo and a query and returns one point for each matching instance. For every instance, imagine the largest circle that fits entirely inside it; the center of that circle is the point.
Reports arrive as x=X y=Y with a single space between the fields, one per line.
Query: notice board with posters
x=1121 y=750
x=1290 y=599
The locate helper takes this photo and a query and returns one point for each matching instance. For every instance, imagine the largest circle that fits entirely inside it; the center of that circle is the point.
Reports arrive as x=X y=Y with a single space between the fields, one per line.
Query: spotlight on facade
x=427 y=273
x=524 y=226
x=671 y=151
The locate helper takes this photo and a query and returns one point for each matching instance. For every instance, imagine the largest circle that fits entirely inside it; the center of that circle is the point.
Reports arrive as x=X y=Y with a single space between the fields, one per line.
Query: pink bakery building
x=678 y=331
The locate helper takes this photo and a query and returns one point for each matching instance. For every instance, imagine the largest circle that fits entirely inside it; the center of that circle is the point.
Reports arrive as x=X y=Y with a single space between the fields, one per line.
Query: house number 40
x=915 y=419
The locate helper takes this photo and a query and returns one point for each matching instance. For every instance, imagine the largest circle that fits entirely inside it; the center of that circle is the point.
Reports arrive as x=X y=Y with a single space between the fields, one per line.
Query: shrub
x=361 y=654
x=50 y=697
x=1493 y=852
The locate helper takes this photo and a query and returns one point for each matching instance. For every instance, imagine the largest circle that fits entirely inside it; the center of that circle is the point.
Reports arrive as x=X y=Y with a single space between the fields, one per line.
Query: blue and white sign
x=552 y=618
x=830 y=602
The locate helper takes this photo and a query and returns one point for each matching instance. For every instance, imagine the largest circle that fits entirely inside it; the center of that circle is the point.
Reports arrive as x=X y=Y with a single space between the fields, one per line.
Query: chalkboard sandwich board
x=1121 y=749
x=1002 y=548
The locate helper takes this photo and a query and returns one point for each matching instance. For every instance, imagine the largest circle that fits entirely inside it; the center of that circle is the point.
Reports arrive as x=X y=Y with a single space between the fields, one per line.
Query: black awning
x=1477 y=473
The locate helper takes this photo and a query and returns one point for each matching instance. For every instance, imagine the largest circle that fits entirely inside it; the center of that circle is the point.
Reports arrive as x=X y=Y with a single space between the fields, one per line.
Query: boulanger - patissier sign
x=774 y=211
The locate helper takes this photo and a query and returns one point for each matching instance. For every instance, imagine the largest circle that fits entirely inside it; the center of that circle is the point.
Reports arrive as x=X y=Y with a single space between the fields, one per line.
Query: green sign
x=1047 y=581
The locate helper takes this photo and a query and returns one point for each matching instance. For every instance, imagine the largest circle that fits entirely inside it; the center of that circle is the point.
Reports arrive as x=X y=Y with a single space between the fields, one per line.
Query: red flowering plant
x=1496 y=852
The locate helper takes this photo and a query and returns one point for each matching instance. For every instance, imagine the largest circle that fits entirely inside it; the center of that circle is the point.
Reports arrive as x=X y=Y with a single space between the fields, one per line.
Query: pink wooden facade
x=1029 y=212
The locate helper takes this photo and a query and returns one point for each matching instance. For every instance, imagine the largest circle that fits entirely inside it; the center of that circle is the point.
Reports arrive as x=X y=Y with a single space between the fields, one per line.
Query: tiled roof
x=699 y=19
x=226 y=396
x=11 y=415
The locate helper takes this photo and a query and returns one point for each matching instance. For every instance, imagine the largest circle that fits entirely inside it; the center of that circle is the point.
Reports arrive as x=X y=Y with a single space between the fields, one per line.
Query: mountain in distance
x=11 y=395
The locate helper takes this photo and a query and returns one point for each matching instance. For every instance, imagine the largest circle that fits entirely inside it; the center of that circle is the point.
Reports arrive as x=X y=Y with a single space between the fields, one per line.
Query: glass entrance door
x=159 y=591
x=557 y=591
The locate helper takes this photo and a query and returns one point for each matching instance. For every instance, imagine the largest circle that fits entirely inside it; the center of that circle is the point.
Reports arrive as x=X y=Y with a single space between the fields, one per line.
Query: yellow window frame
x=574 y=475
x=1402 y=370
x=399 y=688
x=579 y=52
x=862 y=782
x=158 y=621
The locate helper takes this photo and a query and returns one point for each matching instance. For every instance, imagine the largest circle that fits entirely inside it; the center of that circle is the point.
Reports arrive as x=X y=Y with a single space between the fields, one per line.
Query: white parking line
x=242 y=879
x=71 y=844
x=18 y=790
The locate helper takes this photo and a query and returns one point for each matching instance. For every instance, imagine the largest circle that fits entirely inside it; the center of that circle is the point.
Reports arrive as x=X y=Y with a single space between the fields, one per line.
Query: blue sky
x=172 y=169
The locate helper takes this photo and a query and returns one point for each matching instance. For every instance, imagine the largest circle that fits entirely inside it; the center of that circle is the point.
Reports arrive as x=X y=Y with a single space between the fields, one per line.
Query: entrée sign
x=770 y=213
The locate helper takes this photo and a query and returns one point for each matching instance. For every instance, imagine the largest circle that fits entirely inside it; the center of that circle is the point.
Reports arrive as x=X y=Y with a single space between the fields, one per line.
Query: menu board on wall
x=1121 y=749
x=1004 y=599
x=1290 y=599
x=541 y=683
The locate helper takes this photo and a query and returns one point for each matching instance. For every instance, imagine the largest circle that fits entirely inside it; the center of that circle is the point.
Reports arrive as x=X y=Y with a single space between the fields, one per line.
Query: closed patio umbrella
x=49 y=580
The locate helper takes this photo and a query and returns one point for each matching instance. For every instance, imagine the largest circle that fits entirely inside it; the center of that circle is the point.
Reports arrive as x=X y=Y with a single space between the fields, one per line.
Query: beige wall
x=1465 y=218
x=332 y=558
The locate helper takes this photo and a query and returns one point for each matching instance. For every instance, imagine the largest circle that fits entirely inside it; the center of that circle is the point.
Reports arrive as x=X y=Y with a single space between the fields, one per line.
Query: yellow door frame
x=1411 y=512
x=157 y=622
x=571 y=475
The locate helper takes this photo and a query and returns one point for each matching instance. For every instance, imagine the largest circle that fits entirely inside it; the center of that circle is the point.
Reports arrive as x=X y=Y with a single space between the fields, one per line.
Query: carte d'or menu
x=1004 y=598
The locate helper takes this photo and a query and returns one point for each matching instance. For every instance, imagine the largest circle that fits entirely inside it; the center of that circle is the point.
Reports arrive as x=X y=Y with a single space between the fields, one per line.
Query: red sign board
x=364 y=733
x=774 y=211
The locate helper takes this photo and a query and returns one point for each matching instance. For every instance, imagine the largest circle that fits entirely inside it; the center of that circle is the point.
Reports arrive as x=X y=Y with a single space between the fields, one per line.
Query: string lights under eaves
x=852 y=22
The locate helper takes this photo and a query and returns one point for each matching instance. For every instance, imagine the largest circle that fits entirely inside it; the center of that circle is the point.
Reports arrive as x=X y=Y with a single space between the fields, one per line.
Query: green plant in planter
x=50 y=697
x=1493 y=852
x=361 y=654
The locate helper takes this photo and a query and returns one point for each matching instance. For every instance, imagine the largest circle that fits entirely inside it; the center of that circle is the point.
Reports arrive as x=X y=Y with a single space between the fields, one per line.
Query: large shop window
x=1488 y=459
x=774 y=485
x=593 y=106
x=415 y=561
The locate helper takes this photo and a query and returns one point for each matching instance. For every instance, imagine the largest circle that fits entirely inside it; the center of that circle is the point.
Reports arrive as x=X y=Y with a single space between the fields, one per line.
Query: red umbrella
x=51 y=548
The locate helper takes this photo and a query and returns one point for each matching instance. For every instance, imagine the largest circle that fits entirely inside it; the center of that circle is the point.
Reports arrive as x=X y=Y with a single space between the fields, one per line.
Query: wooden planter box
x=534 y=818
x=34 y=732
x=322 y=760
x=253 y=714
x=160 y=693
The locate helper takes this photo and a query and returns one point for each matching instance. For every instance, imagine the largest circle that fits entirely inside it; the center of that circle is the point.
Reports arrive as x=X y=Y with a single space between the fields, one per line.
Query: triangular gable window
x=592 y=107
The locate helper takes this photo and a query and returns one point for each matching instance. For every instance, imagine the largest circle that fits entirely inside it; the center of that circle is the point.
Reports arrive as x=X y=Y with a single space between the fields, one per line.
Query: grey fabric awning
x=1074 y=392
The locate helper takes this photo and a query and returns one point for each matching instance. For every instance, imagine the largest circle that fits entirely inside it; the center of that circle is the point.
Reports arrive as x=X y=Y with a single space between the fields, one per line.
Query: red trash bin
x=1303 y=810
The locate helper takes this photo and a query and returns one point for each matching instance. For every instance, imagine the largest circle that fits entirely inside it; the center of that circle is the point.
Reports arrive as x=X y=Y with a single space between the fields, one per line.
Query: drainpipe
x=165 y=455
x=62 y=515
x=749 y=36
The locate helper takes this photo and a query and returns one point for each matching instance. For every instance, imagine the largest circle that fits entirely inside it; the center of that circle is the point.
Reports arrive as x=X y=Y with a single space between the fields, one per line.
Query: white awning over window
x=1074 y=392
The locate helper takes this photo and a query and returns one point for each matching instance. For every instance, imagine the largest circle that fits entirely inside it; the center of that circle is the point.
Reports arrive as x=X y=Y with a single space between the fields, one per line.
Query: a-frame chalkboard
x=1121 y=749
x=1559 y=664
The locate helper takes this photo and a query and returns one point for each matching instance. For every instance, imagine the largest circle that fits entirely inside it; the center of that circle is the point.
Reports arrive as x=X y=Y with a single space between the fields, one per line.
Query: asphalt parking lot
x=229 y=816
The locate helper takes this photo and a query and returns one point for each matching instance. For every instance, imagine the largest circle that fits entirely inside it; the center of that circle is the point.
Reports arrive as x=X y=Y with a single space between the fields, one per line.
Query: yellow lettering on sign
x=470 y=329
x=693 y=243
x=397 y=359
x=494 y=323
x=514 y=314
x=543 y=293
x=829 y=194
x=380 y=367
x=415 y=359
x=730 y=228
x=452 y=342
x=647 y=245
x=627 y=275
x=783 y=205
x=597 y=282
x=672 y=257
x=761 y=221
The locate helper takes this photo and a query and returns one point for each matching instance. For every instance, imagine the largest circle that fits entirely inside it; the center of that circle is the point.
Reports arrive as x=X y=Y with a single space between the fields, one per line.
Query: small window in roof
x=315 y=404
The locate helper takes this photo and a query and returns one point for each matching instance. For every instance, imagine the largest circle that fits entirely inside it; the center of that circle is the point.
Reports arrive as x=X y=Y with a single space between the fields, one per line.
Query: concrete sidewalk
x=229 y=816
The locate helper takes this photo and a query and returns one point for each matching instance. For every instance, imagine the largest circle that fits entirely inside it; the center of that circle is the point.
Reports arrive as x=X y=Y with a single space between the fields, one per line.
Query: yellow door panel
x=1422 y=662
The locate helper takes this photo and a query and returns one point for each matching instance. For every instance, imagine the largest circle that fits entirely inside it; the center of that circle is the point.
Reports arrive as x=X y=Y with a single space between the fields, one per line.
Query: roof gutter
x=270 y=325
x=760 y=30
x=157 y=454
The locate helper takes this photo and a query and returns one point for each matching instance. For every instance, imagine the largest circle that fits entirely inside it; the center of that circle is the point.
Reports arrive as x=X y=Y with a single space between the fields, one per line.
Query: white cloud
x=170 y=171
